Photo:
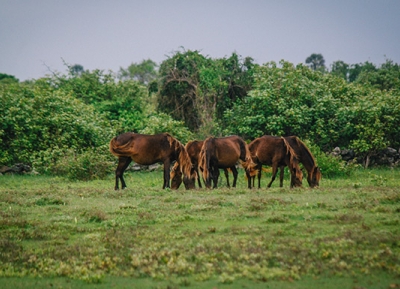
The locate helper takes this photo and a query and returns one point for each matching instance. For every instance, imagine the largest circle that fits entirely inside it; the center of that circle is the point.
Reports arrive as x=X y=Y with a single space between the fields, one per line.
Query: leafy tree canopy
x=144 y=72
x=7 y=78
x=316 y=62
x=197 y=89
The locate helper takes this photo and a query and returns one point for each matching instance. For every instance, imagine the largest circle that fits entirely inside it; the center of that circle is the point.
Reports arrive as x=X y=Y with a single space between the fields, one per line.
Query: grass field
x=60 y=234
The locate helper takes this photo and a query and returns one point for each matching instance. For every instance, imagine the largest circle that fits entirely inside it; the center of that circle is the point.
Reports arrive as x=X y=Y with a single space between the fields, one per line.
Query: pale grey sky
x=35 y=35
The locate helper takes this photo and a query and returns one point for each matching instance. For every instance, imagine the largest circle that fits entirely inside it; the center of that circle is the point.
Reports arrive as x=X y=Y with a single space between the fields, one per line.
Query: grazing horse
x=276 y=152
x=305 y=157
x=149 y=149
x=193 y=148
x=224 y=153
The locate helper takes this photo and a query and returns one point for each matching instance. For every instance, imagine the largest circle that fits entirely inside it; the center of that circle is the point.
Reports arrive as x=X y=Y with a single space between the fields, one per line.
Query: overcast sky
x=37 y=35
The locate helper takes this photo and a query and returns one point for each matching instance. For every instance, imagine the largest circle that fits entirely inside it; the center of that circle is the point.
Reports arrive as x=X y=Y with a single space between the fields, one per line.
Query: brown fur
x=193 y=149
x=224 y=153
x=149 y=149
x=275 y=152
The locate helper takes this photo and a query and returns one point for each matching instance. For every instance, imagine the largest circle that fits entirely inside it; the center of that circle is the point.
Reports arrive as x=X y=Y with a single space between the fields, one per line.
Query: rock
x=347 y=155
x=17 y=168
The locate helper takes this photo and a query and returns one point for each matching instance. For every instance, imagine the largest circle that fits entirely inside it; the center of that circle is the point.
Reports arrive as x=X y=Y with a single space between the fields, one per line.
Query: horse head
x=175 y=176
x=314 y=178
x=183 y=164
x=296 y=178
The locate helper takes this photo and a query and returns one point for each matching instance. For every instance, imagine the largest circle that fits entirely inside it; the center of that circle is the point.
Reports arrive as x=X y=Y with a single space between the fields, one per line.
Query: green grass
x=60 y=234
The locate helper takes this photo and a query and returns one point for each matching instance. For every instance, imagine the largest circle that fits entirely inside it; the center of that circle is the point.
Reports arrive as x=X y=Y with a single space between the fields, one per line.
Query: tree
x=356 y=69
x=120 y=101
x=316 y=62
x=341 y=69
x=76 y=69
x=7 y=78
x=385 y=77
x=197 y=89
x=144 y=72
x=179 y=91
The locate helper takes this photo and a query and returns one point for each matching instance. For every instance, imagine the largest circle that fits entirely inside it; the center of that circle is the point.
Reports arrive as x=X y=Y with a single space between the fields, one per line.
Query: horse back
x=268 y=150
x=143 y=149
x=227 y=151
x=193 y=149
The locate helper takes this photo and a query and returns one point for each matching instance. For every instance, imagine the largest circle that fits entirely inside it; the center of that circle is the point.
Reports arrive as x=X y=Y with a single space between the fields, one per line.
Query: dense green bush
x=330 y=165
x=323 y=108
x=92 y=163
x=124 y=102
x=40 y=123
x=159 y=123
x=63 y=123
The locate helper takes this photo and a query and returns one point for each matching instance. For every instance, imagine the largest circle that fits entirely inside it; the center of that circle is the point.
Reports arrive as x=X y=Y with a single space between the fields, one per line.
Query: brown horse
x=193 y=148
x=276 y=152
x=149 y=149
x=224 y=153
x=305 y=157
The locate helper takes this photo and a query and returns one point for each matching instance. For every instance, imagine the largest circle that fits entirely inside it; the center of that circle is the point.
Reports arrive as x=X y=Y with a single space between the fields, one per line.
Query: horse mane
x=248 y=163
x=184 y=161
x=174 y=168
x=289 y=150
x=303 y=145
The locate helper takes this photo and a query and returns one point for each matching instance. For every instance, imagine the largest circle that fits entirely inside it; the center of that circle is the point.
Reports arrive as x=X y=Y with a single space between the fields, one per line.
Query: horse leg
x=274 y=171
x=215 y=176
x=249 y=180
x=259 y=176
x=227 y=178
x=282 y=174
x=198 y=177
x=167 y=168
x=123 y=163
x=235 y=175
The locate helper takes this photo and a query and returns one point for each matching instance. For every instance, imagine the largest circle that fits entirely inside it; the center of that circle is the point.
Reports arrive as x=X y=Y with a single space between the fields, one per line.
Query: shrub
x=330 y=166
x=159 y=123
x=40 y=124
x=92 y=163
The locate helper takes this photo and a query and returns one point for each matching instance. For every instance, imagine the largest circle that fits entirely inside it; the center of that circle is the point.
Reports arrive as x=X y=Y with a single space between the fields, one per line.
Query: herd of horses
x=204 y=159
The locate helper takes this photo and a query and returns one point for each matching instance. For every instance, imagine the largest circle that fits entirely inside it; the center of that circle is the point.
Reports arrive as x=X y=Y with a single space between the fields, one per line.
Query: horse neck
x=307 y=158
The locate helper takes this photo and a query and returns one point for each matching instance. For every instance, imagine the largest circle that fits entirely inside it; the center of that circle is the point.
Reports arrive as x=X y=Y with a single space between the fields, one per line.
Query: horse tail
x=204 y=159
x=121 y=145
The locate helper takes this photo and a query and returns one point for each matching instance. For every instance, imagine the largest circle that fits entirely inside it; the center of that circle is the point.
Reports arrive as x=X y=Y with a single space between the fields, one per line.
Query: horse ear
x=178 y=147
